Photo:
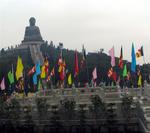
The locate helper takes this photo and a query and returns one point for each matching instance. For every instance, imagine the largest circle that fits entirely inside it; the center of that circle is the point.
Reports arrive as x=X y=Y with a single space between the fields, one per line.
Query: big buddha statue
x=32 y=32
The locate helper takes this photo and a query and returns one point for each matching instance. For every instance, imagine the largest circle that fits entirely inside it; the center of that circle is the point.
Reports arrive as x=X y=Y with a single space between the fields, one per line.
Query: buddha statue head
x=32 y=21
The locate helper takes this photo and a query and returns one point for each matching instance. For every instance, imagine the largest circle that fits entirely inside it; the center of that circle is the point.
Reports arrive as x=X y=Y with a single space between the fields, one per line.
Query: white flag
x=94 y=73
x=2 y=85
x=112 y=55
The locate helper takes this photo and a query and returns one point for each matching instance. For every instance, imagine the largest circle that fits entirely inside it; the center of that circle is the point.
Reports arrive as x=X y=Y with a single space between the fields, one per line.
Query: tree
x=28 y=115
x=127 y=110
x=2 y=51
x=82 y=117
x=4 y=109
x=14 y=111
x=42 y=108
x=97 y=108
x=111 y=117
x=68 y=107
x=55 y=119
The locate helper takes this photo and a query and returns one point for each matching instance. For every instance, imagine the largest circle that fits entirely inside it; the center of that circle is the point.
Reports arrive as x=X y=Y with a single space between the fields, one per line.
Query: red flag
x=110 y=72
x=31 y=71
x=60 y=60
x=52 y=72
x=114 y=76
x=76 y=67
x=121 y=59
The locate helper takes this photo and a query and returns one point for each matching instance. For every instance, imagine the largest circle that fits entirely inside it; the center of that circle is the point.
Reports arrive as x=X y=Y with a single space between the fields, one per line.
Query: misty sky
x=94 y=23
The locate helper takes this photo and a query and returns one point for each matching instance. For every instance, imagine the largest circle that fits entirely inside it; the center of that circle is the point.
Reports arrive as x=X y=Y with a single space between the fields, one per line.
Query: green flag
x=11 y=77
x=39 y=85
x=125 y=71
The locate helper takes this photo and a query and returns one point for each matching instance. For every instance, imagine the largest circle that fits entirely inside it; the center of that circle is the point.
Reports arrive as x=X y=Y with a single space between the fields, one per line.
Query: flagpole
x=54 y=68
x=87 y=70
x=12 y=86
x=144 y=59
x=83 y=52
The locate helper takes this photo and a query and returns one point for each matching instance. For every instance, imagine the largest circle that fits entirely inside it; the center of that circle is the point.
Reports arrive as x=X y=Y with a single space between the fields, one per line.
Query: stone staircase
x=36 y=54
x=145 y=113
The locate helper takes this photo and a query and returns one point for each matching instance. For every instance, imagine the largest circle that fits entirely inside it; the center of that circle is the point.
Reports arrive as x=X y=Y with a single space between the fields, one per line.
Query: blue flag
x=133 y=64
x=38 y=68
x=35 y=79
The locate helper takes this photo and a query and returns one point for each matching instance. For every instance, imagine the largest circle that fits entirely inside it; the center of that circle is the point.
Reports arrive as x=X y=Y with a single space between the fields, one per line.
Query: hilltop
x=99 y=60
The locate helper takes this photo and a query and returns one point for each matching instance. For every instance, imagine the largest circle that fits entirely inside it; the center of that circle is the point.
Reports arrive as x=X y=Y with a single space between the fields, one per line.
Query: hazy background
x=94 y=23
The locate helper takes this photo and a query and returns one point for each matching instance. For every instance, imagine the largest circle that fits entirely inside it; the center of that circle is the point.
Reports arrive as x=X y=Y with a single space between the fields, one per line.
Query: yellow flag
x=69 y=79
x=140 y=81
x=43 y=73
x=60 y=68
x=19 y=69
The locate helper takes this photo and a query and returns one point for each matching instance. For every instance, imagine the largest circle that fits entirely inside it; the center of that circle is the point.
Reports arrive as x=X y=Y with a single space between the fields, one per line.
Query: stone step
x=36 y=54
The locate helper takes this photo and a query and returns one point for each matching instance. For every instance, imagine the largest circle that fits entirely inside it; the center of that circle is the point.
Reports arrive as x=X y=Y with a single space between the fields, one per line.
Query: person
x=129 y=80
x=26 y=86
x=121 y=83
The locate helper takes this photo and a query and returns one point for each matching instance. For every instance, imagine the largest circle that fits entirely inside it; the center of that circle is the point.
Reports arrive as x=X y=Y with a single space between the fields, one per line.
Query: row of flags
x=10 y=75
x=134 y=55
x=121 y=66
x=43 y=72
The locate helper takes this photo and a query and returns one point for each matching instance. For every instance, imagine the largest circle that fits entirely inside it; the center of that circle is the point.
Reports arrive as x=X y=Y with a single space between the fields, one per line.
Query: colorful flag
x=83 y=60
x=35 y=79
x=62 y=70
x=32 y=70
x=94 y=73
x=133 y=64
x=11 y=77
x=114 y=76
x=43 y=74
x=110 y=72
x=140 y=80
x=112 y=54
x=46 y=63
x=38 y=68
x=140 y=52
x=39 y=85
x=52 y=72
x=125 y=71
x=2 y=85
x=60 y=60
x=19 y=69
x=48 y=78
x=121 y=59
x=70 y=79
x=76 y=67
